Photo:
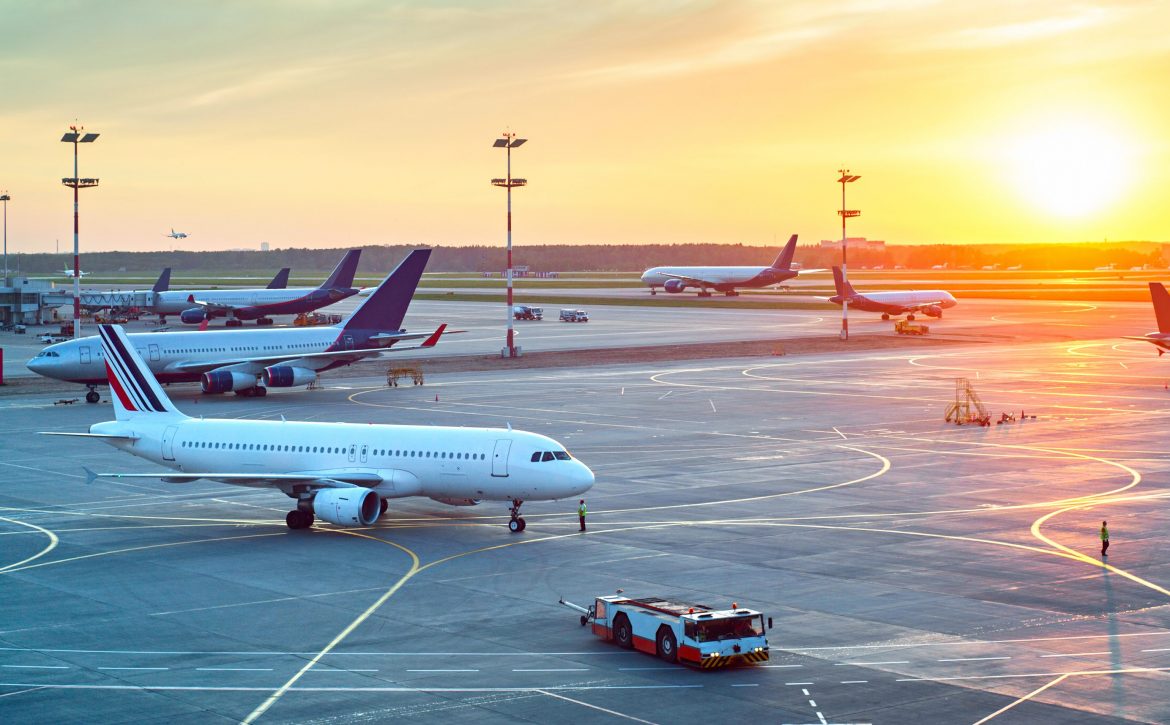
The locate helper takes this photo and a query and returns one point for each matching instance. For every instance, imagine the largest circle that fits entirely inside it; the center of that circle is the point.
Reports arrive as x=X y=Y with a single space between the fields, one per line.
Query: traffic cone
x=436 y=397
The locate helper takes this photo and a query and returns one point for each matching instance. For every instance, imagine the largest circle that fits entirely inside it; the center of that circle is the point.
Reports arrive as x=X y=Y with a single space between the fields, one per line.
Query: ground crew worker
x=1104 y=538
x=581 y=513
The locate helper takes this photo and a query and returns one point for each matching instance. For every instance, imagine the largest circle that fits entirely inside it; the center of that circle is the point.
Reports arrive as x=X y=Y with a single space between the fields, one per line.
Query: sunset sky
x=322 y=124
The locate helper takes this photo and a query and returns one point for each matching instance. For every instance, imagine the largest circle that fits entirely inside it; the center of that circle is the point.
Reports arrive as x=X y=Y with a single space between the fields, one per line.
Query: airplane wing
x=692 y=281
x=1162 y=345
x=212 y=306
x=312 y=360
x=313 y=479
x=919 y=306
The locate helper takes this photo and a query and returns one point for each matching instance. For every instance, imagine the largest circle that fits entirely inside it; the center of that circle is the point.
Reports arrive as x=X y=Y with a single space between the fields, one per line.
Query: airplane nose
x=37 y=364
x=581 y=479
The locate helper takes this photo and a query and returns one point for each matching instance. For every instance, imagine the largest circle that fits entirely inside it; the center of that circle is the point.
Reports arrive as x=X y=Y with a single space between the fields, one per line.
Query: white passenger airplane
x=248 y=362
x=1160 y=339
x=176 y=235
x=722 y=279
x=342 y=473
x=68 y=272
x=928 y=302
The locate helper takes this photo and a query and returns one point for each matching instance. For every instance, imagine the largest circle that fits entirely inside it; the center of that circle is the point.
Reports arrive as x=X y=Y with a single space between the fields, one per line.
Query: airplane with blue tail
x=248 y=362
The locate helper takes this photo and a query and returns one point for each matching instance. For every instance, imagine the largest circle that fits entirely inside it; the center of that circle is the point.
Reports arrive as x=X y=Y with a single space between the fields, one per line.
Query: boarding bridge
x=100 y=299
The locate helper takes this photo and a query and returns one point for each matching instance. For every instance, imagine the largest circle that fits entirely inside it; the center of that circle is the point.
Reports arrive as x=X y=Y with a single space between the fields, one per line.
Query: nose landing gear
x=92 y=396
x=516 y=525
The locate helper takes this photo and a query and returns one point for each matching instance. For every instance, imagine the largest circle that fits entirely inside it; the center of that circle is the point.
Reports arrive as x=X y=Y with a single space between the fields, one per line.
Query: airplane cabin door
x=352 y=453
x=84 y=350
x=348 y=341
x=500 y=458
x=153 y=352
x=168 y=440
x=365 y=449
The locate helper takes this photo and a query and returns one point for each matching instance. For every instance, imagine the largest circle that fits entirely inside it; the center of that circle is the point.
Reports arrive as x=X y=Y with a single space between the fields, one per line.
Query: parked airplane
x=722 y=279
x=68 y=272
x=1161 y=338
x=248 y=362
x=195 y=306
x=176 y=235
x=928 y=302
x=342 y=473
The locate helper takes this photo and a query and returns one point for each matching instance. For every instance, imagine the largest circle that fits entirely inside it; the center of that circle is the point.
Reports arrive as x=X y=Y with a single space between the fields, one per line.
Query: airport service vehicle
x=928 y=302
x=695 y=634
x=1160 y=339
x=237 y=305
x=723 y=279
x=574 y=316
x=524 y=312
x=343 y=473
x=906 y=327
x=49 y=338
x=248 y=362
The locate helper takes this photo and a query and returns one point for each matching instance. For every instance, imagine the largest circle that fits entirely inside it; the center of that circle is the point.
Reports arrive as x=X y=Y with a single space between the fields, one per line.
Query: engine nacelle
x=224 y=381
x=674 y=285
x=193 y=316
x=932 y=311
x=287 y=376
x=456 y=501
x=347 y=506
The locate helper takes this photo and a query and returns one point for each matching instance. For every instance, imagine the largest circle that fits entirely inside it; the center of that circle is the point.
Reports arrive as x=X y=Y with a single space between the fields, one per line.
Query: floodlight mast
x=508 y=141
x=75 y=136
x=846 y=178
x=5 y=198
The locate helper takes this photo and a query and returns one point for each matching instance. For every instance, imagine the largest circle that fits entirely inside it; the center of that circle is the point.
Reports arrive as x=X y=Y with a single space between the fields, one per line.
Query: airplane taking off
x=343 y=473
x=1161 y=338
x=195 y=306
x=928 y=302
x=723 y=279
x=176 y=235
x=248 y=362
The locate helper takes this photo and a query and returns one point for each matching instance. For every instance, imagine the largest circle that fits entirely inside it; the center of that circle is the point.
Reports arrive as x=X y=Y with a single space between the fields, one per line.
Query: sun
x=1071 y=169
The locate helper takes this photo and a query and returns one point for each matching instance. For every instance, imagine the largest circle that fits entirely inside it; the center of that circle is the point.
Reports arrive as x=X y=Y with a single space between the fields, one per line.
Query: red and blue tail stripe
x=132 y=385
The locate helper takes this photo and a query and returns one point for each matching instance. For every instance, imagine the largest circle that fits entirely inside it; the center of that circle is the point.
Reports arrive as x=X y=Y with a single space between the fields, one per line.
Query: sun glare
x=1071 y=170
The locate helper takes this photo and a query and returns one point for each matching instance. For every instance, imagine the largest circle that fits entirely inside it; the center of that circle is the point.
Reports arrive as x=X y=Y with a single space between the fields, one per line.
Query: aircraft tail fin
x=164 y=281
x=133 y=388
x=280 y=281
x=385 y=308
x=784 y=261
x=843 y=286
x=1161 y=300
x=342 y=276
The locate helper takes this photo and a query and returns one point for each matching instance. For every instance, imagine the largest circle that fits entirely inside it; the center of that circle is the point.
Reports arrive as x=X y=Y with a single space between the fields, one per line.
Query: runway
x=915 y=571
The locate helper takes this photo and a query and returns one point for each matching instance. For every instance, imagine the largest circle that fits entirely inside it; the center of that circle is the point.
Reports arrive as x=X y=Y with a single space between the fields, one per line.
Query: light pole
x=75 y=136
x=5 y=198
x=846 y=178
x=509 y=141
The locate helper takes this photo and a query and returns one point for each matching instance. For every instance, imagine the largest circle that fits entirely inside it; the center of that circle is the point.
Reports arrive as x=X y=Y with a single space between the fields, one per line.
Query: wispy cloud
x=1028 y=31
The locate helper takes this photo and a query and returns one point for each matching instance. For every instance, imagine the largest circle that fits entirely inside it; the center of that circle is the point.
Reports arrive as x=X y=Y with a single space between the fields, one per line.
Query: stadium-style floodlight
x=5 y=198
x=509 y=141
x=77 y=135
x=846 y=178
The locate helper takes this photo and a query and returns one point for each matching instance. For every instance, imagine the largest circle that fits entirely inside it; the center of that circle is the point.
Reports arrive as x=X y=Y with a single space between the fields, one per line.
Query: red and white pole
x=76 y=257
x=511 y=316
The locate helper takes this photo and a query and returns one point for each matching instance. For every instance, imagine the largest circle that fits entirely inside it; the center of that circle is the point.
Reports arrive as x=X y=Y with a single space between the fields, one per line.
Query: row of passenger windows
x=249 y=348
x=352 y=450
x=541 y=456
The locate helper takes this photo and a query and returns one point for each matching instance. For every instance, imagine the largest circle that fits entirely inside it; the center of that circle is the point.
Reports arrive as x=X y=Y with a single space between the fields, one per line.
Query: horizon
x=322 y=126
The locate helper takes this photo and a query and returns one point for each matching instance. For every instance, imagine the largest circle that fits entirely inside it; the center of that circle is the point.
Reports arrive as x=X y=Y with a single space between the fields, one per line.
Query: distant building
x=858 y=243
x=263 y=246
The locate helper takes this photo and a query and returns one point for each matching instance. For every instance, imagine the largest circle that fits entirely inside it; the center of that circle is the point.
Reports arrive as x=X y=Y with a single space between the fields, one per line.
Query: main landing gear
x=233 y=322
x=885 y=316
x=298 y=519
x=92 y=396
x=704 y=293
x=731 y=293
x=516 y=525
x=261 y=322
x=258 y=392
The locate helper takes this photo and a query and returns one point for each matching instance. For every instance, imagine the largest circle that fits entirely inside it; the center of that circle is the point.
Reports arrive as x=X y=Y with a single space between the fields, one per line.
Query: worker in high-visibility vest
x=581 y=513
x=1104 y=538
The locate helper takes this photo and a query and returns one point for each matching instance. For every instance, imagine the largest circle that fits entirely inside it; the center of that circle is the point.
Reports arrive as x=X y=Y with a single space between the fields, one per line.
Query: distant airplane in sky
x=928 y=302
x=176 y=235
x=1161 y=338
x=343 y=473
x=722 y=279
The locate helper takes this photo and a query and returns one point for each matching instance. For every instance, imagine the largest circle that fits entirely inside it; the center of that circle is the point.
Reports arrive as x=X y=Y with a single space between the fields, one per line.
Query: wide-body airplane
x=1161 y=338
x=248 y=362
x=928 y=302
x=195 y=306
x=176 y=235
x=343 y=473
x=723 y=279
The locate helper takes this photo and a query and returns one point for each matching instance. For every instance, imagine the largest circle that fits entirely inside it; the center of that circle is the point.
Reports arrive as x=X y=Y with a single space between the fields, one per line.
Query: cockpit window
x=548 y=456
x=562 y=455
x=536 y=457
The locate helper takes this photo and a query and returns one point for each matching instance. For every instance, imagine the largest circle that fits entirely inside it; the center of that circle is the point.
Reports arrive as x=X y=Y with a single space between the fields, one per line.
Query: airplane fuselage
x=896 y=303
x=250 y=304
x=400 y=460
x=722 y=279
x=167 y=354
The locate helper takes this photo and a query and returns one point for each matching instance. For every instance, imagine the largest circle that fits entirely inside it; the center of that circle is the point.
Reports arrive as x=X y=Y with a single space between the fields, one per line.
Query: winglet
x=90 y=476
x=434 y=338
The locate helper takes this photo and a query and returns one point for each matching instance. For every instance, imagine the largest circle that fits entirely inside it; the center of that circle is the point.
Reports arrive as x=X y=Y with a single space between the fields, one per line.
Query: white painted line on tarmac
x=748 y=684
x=442 y=670
x=134 y=668
x=863 y=664
x=798 y=683
x=1078 y=654
x=854 y=682
x=779 y=667
x=973 y=659
x=639 y=669
x=36 y=667
x=556 y=669
x=595 y=707
x=1163 y=649
x=233 y=669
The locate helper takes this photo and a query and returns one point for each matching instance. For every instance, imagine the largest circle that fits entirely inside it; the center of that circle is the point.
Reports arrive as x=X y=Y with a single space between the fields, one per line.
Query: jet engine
x=287 y=376
x=932 y=311
x=456 y=501
x=674 y=285
x=223 y=381
x=347 y=506
x=193 y=316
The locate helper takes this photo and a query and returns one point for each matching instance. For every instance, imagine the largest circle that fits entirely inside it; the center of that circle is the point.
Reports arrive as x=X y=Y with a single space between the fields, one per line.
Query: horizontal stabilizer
x=105 y=436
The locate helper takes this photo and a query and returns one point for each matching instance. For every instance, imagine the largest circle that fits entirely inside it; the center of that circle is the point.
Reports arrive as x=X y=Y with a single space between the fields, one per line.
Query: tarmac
x=915 y=570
